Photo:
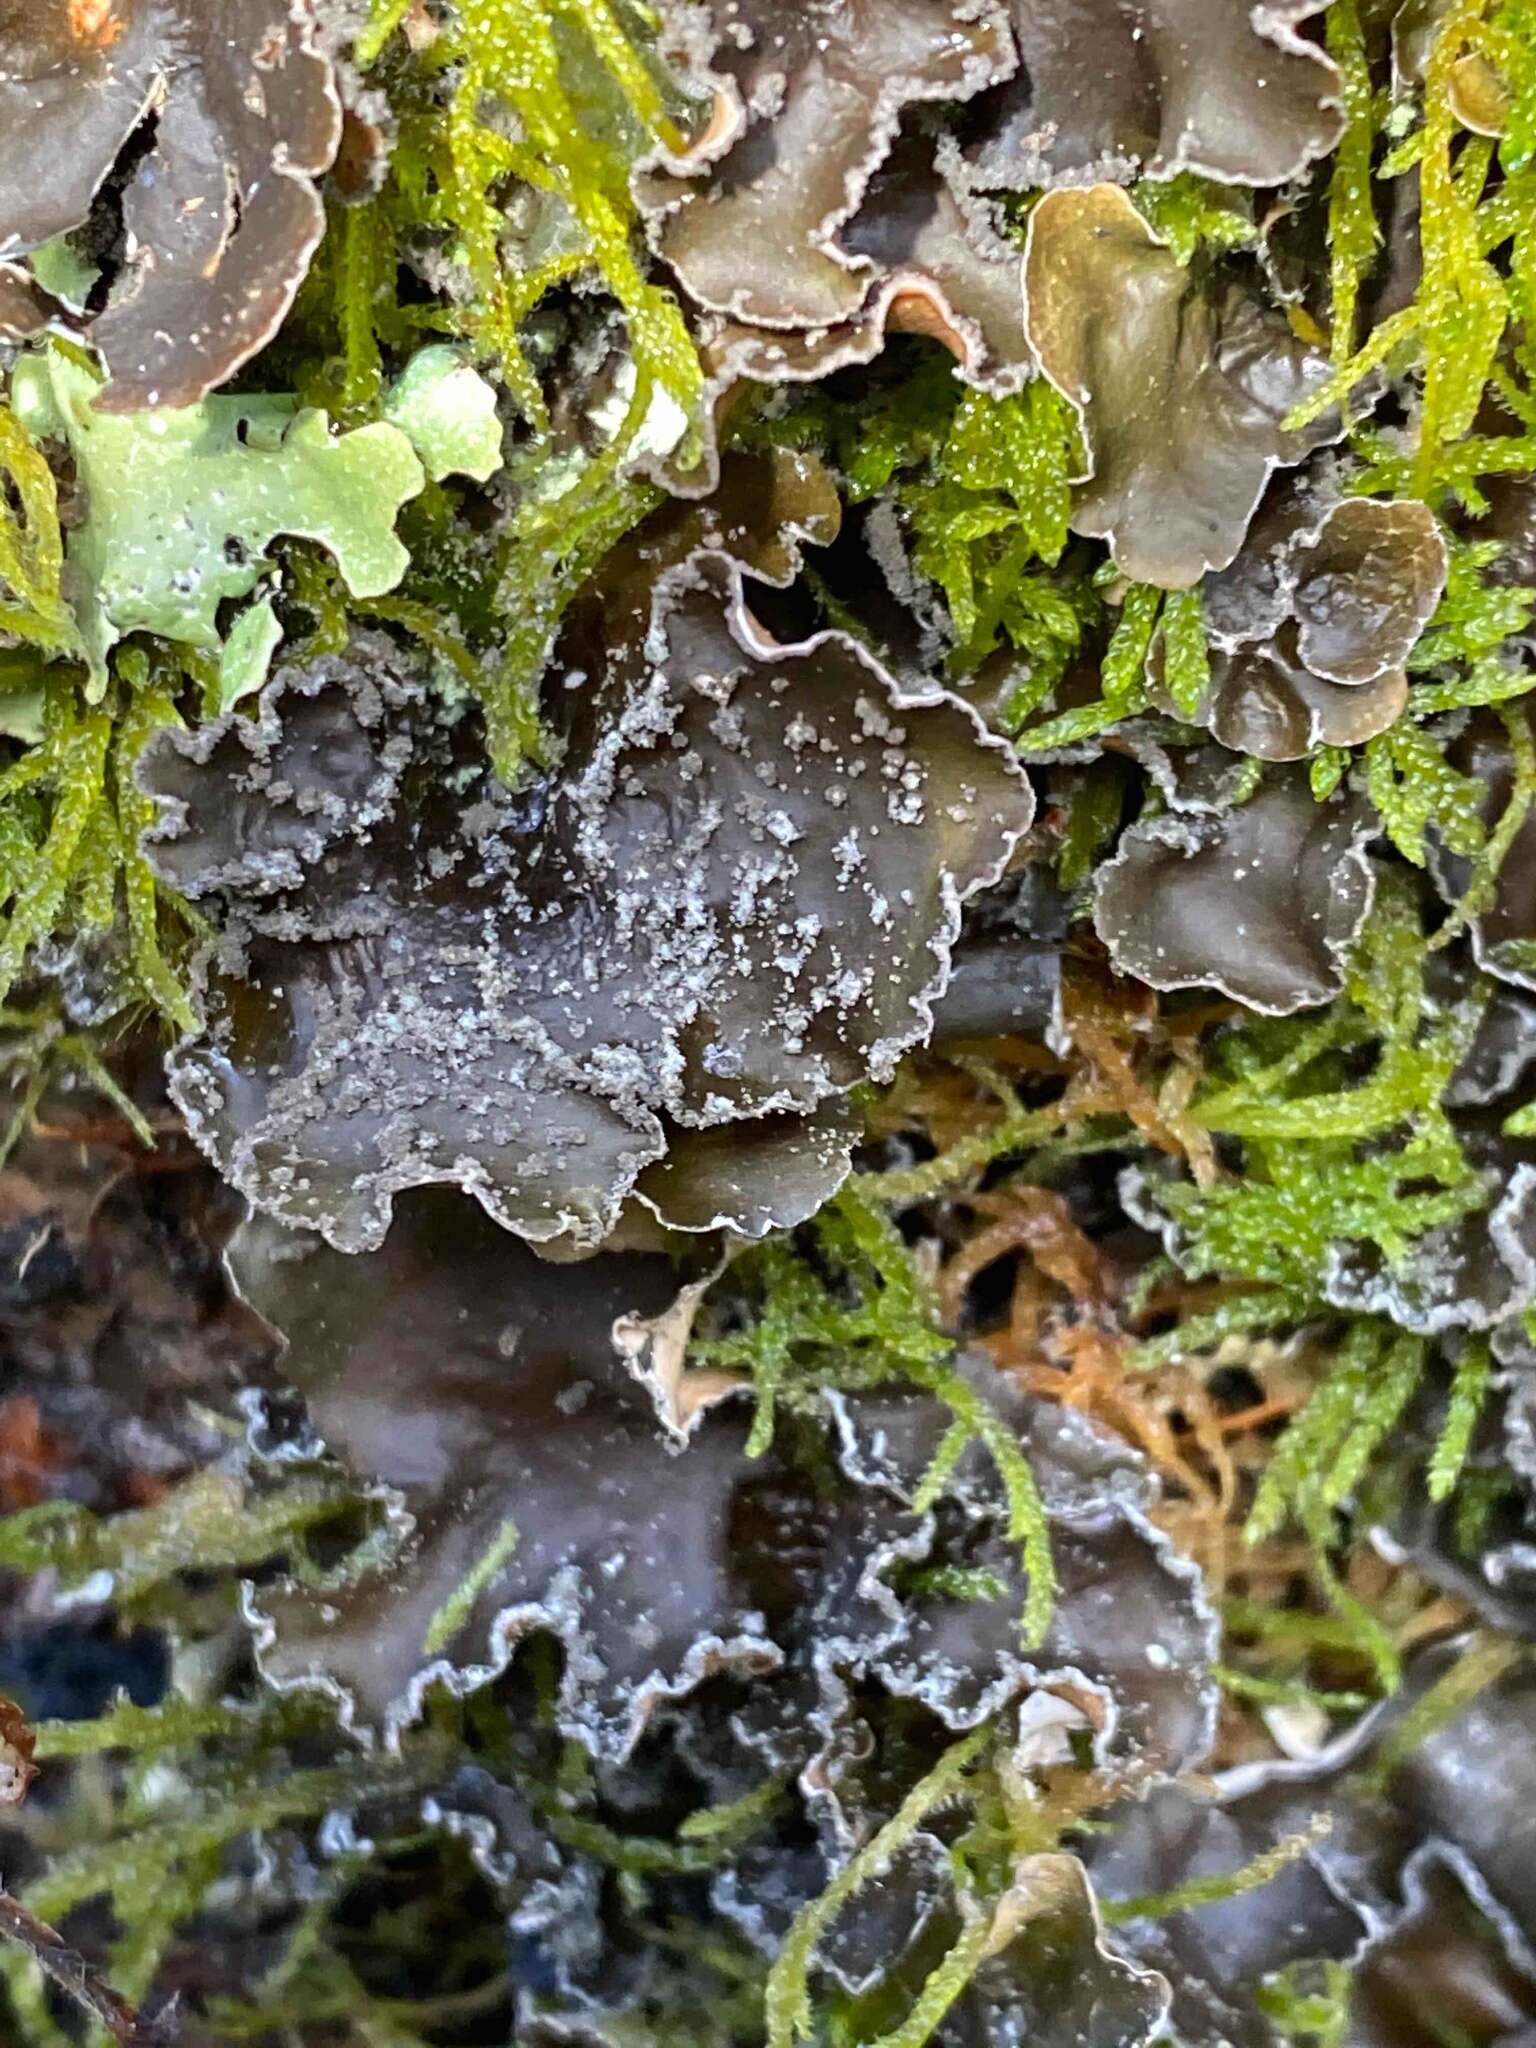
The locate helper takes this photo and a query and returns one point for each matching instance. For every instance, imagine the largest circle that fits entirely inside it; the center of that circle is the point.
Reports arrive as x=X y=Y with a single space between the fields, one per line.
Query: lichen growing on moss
x=815 y=720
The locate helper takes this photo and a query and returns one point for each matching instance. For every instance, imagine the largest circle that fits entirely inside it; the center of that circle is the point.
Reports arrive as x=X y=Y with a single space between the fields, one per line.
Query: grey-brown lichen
x=735 y=899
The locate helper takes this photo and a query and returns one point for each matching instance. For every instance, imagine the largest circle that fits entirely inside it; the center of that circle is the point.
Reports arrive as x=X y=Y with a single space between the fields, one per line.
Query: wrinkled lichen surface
x=768 y=1020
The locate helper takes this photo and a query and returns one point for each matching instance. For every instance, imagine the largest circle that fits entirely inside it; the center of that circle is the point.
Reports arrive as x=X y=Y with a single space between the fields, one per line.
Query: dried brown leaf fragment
x=18 y=1745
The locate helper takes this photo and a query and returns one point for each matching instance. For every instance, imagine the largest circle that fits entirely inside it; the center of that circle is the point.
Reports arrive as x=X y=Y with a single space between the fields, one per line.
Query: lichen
x=816 y=721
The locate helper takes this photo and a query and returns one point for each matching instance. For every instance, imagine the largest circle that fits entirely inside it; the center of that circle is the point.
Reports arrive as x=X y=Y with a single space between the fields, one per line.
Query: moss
x=1310 y=2003
x=71 y=817
x=584 y=103
x=69 y=812
x=1232 y=1884
x=1264 y=1146
x=788 y=2003
x=846 y=1307
x=31 y=547
x=993 y=504
x=1344 y=1142
x=1353 y=234
x=1194 y=214
x=1465 y=302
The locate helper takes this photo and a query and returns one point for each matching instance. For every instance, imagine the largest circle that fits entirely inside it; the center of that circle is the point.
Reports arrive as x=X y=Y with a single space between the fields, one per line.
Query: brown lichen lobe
x=734 y=900
x=1312 y=624
x=221 y=216
x=486 y=1389
x=816 y=94
x=490 y=1391
x=1183 y=383
x=828 y=200
x=1261 y=902
x=1112 y=87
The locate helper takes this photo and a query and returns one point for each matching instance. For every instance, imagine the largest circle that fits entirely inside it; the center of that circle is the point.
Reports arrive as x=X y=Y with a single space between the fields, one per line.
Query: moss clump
x=1206 y=1231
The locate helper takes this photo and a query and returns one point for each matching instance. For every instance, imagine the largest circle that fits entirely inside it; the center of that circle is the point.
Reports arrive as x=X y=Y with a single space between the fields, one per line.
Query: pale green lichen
x=184 y=504
x=246 y=656
x=447 y=412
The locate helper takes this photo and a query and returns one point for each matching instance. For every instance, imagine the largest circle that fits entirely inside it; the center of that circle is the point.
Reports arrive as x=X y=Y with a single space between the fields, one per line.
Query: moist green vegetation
x=588 y=102
x=400 y=457
x=849 y=1309
x=985 y=484
x=69 y=817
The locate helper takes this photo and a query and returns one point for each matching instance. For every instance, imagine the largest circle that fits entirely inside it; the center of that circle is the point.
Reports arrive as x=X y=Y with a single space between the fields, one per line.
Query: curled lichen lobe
x=734 y=899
